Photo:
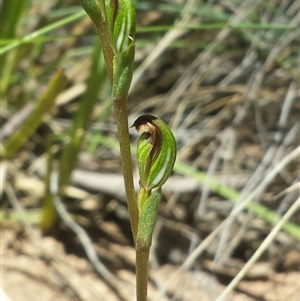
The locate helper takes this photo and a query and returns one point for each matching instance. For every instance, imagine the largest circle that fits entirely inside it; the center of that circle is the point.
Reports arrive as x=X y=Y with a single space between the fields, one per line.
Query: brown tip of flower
x=146 y=124
x=142 y=120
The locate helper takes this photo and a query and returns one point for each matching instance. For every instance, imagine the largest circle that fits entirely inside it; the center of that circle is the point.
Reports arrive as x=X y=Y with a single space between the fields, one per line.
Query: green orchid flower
x=156 y=151
x=156 y=155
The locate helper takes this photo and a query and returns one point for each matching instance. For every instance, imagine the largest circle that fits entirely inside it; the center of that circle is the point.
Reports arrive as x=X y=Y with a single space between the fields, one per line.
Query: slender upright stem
x=107 y=49
x=148 y=203
x=97 y=11
x=120 y=109
x=142 y=259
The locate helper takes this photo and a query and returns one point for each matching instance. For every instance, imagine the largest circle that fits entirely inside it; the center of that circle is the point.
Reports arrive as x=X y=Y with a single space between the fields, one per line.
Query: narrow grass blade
x=42 y=107
x=81 y=120
x=41 y=32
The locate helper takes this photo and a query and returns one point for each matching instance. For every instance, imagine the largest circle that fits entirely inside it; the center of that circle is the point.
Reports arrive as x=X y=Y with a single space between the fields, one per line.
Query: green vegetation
x=223 y=77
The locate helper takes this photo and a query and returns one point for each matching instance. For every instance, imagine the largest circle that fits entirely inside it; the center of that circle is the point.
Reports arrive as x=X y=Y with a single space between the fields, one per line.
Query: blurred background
x=224 y=75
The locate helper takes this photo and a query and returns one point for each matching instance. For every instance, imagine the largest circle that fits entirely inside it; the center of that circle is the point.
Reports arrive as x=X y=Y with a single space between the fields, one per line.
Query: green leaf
x=147 y=216
x=122 y=72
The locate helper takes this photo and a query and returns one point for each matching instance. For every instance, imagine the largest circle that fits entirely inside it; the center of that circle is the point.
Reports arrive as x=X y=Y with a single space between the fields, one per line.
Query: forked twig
x=83 y=237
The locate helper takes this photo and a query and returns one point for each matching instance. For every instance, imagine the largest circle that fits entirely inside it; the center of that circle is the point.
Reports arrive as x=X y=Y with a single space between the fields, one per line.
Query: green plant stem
x=107 y=53
x=48 y=216
x=142 y=259
x=148 y=204
x=120 y=110
x=97 y=12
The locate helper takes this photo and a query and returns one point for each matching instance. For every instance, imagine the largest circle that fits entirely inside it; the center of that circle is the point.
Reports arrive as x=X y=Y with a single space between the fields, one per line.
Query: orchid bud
x=121 y=21
x=156 y=151
x=118 y=15
x=115 y=23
